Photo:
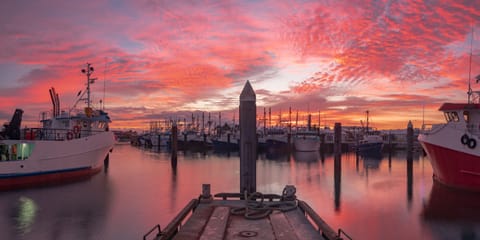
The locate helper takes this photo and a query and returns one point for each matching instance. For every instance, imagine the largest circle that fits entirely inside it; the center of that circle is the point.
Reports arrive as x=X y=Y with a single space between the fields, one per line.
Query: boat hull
x=53 y=162
x=454 y=168
x=306 y=144
x=47 y=178
x=370 y=148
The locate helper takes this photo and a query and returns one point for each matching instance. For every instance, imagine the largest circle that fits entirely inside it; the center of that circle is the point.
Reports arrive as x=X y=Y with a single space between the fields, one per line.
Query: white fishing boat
x=68 y=146
x=306 y=141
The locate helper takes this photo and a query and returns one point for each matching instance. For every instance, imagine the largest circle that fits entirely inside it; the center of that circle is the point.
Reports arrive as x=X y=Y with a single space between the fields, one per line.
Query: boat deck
x=214 y=219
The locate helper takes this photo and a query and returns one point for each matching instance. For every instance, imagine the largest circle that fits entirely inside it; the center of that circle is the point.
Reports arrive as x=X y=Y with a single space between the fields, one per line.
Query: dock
x=230 y=216
x=248 y=213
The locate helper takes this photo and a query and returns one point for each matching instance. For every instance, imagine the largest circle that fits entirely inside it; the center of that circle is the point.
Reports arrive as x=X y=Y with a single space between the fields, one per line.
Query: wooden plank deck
x=213 y=220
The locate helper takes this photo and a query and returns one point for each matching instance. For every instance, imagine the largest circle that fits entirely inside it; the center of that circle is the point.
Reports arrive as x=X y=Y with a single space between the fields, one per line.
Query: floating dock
x=231 y=216
x=248 y=214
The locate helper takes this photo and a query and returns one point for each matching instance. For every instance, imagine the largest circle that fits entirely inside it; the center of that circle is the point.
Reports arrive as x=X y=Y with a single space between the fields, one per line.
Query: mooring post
x=248 y=140
x=174 y=145
x=409 y=162
x=409 y=136
x=337 y=173
x=337 y=138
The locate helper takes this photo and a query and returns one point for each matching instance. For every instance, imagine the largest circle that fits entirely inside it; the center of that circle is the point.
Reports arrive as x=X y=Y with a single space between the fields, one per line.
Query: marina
x=376 y=198
x=234 y=120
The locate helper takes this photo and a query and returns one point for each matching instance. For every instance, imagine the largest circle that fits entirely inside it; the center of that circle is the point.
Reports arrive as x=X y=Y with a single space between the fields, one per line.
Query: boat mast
x=89 y=72
x=469 y=93
x=367 y=121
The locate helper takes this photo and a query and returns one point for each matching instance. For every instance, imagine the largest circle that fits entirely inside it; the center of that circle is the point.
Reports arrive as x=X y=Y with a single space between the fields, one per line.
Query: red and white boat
x=454 y=147
x=69 y=145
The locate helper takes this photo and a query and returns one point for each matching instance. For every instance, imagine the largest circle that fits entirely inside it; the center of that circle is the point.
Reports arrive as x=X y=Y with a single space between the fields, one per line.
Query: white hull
x=54 y=156
x=307 y=144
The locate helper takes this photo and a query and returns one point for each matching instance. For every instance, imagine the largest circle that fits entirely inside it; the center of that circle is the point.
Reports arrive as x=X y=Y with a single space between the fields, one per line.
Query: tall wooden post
x=248 y=140
x=337 y=173
x=409 y=163
x=174 y=145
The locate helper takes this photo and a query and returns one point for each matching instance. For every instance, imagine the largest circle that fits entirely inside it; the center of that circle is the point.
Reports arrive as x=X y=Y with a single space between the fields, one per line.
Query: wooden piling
x=409 y=162
x=409 y=136
x=337 y=140
x=337 y=173
x=174 y=145
x=248 y=139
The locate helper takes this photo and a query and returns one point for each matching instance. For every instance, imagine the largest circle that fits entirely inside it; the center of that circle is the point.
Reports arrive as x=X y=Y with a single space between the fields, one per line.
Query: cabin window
x=455 y=117
x=447 y=116
x=466 y=116
x=13 y=152
x=451 y=116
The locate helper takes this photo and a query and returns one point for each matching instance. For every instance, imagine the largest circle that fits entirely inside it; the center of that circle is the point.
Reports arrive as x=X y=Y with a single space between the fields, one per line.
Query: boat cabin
x=460 y=113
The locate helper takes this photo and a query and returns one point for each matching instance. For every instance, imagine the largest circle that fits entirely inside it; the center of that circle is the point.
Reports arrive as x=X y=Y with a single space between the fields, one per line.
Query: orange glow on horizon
x=164 y=60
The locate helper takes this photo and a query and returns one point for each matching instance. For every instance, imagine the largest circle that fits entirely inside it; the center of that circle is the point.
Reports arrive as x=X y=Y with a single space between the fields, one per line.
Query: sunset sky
x=160 y=59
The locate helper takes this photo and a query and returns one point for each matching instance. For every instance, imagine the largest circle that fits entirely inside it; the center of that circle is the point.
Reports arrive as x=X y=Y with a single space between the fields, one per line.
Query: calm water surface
x=373 y=198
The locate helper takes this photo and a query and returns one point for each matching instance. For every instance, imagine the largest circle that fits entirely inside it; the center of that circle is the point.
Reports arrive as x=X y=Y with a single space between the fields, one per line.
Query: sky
x=161 y=59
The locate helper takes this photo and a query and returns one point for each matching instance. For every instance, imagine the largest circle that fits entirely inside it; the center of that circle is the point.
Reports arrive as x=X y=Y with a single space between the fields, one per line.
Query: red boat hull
x=43 y=179
x=454 y=168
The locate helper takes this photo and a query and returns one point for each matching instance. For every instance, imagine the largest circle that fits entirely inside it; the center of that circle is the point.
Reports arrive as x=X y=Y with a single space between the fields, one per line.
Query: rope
x=254 y=209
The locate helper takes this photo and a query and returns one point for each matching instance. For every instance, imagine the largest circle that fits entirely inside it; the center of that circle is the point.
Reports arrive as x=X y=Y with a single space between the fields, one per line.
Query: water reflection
x=451 y=204
x=57 y=212
x=337 y=175
x=27 y=210
x=409 y=178
x=143 y=189
x=306 y=156
x=452 y=213
x=276 y=154
x=371 y=161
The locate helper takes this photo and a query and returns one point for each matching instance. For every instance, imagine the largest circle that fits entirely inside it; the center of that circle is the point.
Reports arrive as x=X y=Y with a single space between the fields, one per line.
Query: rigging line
x=104 y=83
x=470 y=67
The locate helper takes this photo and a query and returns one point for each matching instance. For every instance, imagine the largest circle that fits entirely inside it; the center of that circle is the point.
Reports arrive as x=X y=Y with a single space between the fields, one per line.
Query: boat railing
x=432 y=128
x=53 y=134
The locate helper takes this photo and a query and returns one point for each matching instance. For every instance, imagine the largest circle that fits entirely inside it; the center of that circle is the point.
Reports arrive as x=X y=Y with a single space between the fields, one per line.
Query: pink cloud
x=177 y=53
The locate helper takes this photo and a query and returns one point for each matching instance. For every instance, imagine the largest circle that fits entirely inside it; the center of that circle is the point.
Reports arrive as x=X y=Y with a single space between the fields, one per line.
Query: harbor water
x=383 y=197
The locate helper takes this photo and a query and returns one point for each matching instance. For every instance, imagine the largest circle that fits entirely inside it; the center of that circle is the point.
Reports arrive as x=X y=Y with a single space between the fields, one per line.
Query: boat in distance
x=306 y=141
x=68 y=146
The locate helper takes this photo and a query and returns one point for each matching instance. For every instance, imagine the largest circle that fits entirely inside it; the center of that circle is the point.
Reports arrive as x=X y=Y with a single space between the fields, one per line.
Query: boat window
x=66 y=123
x=466 y=116
x=13 y=152
x=455 y=117
x=447 y=116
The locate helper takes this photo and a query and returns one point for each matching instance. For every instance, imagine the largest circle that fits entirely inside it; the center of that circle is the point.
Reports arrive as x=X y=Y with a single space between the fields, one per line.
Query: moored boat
x=306 y=141
x=371 y=142
x=68 y=146
x=452 y=147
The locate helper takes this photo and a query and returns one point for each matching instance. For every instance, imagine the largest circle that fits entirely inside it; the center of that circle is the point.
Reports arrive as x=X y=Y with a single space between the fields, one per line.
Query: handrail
x=153 y=229
x=326 y=230
x=174 y=225
x=340 y=231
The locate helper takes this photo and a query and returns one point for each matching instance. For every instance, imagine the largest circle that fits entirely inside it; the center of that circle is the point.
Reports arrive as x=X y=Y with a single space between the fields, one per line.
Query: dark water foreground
x=370 y=198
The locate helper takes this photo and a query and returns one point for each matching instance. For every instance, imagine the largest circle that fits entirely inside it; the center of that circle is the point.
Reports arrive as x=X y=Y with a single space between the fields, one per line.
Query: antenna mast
x=104 y=83
x=470 y=68
x=89 y=72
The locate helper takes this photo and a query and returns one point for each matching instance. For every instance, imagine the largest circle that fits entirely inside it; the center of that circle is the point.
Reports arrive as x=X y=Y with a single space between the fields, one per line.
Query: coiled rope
x=255 y=209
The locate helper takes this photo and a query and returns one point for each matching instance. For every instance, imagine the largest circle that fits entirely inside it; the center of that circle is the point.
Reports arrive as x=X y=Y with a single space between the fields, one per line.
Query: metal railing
x=159 y=233
x=52 y=134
